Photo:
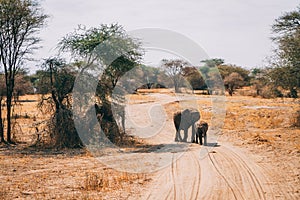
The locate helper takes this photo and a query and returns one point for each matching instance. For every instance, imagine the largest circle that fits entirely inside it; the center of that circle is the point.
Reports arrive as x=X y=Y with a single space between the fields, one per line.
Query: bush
x=269 y=92
x=277 y=93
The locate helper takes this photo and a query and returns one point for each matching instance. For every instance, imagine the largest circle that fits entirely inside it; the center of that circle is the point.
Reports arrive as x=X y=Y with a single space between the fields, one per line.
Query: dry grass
x=158 y=90
x=26 y=118
x=139 y=98
x=247 y=113
x=263 y=120
x=100 y=181
x=65 y=174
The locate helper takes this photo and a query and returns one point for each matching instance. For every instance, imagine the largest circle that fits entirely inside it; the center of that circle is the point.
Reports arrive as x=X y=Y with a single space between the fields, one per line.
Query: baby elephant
x=201 y=129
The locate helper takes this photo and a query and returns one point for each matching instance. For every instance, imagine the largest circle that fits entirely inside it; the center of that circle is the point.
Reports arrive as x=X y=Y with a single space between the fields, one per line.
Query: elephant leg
x=197 y=135
x=185 y=135
x=193 y=133
x=195 y=140
x=123 y=123
x=180 y=138
x=200 y=137
x=176 y=136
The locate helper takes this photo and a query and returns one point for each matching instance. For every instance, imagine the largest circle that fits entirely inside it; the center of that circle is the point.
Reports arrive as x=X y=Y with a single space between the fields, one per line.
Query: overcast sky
x=235 y=30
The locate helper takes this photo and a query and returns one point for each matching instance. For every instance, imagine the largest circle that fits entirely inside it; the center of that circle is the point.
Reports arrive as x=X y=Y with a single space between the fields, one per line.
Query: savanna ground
x=256 y=156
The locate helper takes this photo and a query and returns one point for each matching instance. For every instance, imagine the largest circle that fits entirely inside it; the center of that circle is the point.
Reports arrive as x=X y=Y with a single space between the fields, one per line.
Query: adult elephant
x=183 y=121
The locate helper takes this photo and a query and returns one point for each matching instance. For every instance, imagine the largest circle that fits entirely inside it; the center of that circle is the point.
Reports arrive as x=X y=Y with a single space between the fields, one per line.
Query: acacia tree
x=233 y=81
x=286 y=71
x=174 y=70
x=226 y=70
x=20 y=20
x=114 y=52
x=214 y=62
x=259 y=79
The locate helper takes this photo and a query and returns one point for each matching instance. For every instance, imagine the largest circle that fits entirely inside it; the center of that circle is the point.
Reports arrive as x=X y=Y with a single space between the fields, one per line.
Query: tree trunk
x=293 y=93
x=65 y=133
x=108 y=123
x=208 y=91
x=176 y=89
x=53 y=93
x=9 y=80
x=230 y=91
x=8 y=116
x=176 y=85
x=1 y=124
x=176 y=82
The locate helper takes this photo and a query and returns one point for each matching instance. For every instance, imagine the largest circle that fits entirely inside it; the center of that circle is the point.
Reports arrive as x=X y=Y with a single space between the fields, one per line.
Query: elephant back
x=191 y=114
x=184 y=119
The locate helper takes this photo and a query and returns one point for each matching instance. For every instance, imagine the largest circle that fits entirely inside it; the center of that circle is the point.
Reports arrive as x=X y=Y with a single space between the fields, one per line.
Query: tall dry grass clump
x=100 y=181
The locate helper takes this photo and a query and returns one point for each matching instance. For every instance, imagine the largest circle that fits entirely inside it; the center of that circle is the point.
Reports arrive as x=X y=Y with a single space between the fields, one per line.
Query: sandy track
x=176 y=182
x=224 y=173
x=238 y=177
x=205 y=172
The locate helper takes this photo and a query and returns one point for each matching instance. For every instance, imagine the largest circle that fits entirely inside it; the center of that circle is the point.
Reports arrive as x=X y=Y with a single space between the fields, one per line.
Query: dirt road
x=223 y=174
x=191 y=171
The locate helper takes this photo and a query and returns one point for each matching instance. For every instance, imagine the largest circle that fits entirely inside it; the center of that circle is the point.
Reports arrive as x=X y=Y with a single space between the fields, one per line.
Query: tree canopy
x=214 y=62
x=103 y=44
x=226 y=70
x=286 y=30
x=174 y=70
x=233 y=81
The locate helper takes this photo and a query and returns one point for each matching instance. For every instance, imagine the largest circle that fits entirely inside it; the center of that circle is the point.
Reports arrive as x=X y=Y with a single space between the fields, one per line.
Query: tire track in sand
x=254 y=179
x=229 y=183
x=180 y=180
x=244 y=179
x=197 y=180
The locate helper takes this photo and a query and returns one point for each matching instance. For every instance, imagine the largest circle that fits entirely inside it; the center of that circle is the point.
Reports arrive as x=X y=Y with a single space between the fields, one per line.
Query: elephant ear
x=195 y=116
